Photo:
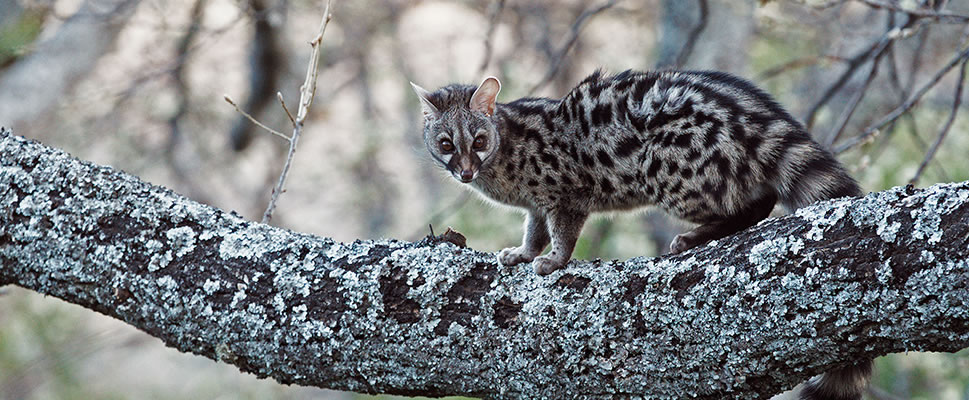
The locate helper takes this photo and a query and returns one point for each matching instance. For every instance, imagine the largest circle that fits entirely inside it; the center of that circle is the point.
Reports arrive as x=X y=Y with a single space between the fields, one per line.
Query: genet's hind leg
x=749 y=216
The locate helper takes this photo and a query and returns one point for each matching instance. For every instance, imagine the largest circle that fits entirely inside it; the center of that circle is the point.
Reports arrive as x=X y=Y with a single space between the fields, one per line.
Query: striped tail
x=808 y=173
x=847 y=383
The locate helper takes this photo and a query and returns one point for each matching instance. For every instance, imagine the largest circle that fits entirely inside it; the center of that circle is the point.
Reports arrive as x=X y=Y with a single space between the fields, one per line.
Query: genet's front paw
x=679 y=244
x=514 y=256
x=545 y=265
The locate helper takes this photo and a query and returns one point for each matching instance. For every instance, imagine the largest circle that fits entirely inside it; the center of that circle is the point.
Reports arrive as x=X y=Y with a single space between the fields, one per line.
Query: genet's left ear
x=484 y=98
x=430 y=111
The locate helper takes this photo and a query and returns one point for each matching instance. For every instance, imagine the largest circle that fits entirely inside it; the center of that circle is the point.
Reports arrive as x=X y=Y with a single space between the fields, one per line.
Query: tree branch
x=743 y=317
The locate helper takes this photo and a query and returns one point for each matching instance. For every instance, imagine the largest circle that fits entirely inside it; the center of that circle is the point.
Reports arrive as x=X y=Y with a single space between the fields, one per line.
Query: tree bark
x=744 y=317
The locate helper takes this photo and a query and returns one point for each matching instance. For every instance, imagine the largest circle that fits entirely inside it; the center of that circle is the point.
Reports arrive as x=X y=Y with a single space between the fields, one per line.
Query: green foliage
x=924 y=376
x=17 y=36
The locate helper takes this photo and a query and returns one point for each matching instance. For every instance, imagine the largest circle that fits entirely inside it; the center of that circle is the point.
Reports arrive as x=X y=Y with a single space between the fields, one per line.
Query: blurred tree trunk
x=36 y=82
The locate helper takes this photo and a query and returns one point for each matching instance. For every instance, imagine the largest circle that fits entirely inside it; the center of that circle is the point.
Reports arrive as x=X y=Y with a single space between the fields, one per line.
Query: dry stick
x=940 y=16
x=557 y=57
x=307 y=92
x=948 y=123
x=492 y=24
x=873 y=129
x=691 y=40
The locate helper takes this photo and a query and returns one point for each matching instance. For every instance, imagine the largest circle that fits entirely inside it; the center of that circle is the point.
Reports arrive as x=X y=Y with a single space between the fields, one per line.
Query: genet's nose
x=467 y=175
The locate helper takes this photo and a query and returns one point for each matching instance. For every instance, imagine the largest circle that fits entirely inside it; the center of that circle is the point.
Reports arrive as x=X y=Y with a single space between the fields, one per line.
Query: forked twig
x=253 y=119
x=307 y=92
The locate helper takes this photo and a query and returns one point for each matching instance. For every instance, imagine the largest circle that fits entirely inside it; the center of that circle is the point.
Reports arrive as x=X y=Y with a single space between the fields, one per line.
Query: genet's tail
x=847 y=383
x=808 y=173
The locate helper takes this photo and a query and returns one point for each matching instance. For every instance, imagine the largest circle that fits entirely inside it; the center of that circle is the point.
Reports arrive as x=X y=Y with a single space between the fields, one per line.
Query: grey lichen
x=743 y=317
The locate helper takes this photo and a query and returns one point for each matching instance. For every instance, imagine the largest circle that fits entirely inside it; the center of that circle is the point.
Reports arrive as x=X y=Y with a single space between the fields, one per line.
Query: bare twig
x=940 y=16
x=307 y=92
x=283 y=104
x=872 y=51
x=839 y=127
x=691 y=40
x=956 y=101
x=496 y=9
x=573 y=35
x=253 y=119
x=874 y=128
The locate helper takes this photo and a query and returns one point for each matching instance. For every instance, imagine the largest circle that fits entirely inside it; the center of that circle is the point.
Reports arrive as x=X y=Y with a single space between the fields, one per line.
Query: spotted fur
x=707 y=147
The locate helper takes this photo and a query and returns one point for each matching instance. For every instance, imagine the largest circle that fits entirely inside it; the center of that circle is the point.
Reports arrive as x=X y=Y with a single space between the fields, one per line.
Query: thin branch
x=573 y=35
x=307 y=92
x=859 y=94
x=940 y=16
x=691 y=40
x=496 y=9
x=956 y=101
x=282 y=103
x=253 y=119
x=872 y=51
x=874 y=128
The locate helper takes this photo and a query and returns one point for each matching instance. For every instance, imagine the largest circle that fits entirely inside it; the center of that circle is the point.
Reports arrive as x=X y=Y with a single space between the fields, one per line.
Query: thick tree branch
x=744 y=317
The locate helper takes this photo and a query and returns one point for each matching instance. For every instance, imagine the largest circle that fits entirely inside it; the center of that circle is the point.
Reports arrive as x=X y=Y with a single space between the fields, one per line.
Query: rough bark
x=744 y=317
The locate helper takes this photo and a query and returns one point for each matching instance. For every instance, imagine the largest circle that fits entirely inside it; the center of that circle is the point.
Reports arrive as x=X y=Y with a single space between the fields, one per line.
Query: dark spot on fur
x=602 y=114
x=654 y=167
x=550 y=160
x=684 y=139
x=604 y=159
x=607 y=187
x=627 y=146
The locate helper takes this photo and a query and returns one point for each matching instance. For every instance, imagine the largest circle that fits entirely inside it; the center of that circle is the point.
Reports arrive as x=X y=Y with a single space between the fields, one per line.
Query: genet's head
x=459 y=128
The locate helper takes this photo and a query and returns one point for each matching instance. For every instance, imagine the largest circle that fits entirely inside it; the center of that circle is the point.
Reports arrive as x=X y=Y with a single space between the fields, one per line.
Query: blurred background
x=139 y=85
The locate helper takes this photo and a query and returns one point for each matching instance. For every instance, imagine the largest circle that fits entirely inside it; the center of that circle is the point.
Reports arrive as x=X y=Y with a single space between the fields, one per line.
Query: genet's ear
x=484 y=98
x=430 y=111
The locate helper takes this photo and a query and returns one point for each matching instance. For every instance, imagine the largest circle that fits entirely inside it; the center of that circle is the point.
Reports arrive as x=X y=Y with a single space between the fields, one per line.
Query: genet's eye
x=446 y=146
x=480 y=143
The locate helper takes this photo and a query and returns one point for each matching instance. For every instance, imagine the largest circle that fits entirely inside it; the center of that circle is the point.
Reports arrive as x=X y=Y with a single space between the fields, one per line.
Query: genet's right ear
x=430 y=111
